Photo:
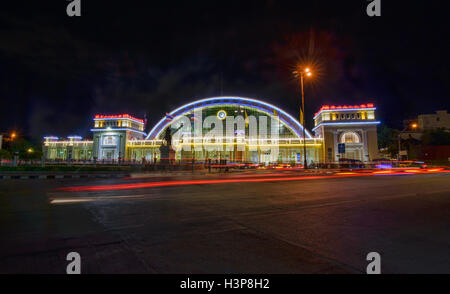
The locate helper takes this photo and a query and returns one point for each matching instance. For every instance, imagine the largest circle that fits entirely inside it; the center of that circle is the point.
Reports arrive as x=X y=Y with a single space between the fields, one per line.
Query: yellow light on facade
x=221 y=114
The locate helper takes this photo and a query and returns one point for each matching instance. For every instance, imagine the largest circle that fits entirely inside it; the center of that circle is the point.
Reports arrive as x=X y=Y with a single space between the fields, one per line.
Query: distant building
x=414 y=128
x=434 y=121
x=413 y=131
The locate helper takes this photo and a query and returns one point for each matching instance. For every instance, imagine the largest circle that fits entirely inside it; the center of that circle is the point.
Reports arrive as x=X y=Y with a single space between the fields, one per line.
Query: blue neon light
x=346 y=123
x=131 y=130
x=185 y=108
x=229 y=103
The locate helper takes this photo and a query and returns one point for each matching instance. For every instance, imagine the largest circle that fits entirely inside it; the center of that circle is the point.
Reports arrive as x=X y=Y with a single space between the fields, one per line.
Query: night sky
x=150 y=57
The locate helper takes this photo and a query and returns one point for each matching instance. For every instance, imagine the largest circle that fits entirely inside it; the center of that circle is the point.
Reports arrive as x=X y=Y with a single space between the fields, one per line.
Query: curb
x=59 y=176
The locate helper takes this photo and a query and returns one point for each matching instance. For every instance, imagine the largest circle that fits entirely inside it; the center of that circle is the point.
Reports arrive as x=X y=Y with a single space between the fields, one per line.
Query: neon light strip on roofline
x=87 y=142
x=116 y=118
x=51 y=137
x=126 y=129
x=346 y=109
x=273 y=107
x=347 y=123
x=368 y=105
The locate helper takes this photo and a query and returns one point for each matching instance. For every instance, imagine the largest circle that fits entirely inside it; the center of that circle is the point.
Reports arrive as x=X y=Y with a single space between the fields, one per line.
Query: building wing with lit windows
x=354 y=126
x=112 y=133
x=70 y=148
x=122 y=137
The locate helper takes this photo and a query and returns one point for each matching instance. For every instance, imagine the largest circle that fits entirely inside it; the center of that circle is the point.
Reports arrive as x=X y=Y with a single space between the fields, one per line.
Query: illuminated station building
x=73 y=147
x=355 y=126
x=112 y=134
x=123 y=136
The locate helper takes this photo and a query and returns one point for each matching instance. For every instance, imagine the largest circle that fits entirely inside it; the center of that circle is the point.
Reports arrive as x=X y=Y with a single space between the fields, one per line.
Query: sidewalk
x=25 y=175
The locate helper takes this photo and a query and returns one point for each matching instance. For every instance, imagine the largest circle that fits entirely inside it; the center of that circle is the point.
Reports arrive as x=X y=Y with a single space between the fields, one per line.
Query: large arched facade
x=283 y=142
x=236 y=104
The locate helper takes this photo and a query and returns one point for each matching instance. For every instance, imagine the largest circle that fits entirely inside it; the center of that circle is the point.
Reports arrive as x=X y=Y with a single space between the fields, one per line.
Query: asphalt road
x=308 y=226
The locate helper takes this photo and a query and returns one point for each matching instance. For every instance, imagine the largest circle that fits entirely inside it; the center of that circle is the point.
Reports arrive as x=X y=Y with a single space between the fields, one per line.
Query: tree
x=5 y=154
x=25 y=149
x=388 y=139
x=436 y=137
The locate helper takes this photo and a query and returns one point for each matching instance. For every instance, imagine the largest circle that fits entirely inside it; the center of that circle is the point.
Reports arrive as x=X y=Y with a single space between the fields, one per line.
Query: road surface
x=323 y=225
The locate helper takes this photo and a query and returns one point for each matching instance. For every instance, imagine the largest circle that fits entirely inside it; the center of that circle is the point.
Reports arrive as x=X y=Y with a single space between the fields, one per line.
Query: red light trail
x=279 y=178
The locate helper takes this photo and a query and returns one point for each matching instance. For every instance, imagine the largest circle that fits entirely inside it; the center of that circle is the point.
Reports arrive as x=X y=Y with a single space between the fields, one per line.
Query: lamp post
x=413 y=127
x=5 y=138
x=301 y=73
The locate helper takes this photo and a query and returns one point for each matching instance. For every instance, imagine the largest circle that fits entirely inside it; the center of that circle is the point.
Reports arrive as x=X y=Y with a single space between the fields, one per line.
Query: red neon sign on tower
x=348 y=107
x=126 y=116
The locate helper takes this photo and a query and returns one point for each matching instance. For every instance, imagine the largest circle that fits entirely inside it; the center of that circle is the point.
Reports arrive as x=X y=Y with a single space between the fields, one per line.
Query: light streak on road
x=237 y=180
x=91 y=199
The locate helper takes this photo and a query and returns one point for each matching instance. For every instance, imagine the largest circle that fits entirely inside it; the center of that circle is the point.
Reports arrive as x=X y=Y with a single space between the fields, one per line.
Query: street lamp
x=301 y=73
x=12 y=136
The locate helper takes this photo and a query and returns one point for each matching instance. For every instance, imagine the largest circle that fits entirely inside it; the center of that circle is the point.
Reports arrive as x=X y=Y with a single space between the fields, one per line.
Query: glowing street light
x=300 y=73
x=13 y=135
x=30 y=150
x=414 y=126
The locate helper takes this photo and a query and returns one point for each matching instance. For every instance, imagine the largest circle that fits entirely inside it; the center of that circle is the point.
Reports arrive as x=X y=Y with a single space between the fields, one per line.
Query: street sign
x=298 y=157
x=341 y=148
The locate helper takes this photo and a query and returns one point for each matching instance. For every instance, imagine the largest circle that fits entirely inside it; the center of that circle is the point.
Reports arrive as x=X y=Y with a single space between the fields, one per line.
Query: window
x=350 y=137
x=109 y=140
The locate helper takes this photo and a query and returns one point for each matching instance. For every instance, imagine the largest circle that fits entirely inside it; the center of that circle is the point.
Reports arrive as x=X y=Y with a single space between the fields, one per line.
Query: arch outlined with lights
x=268 y=108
